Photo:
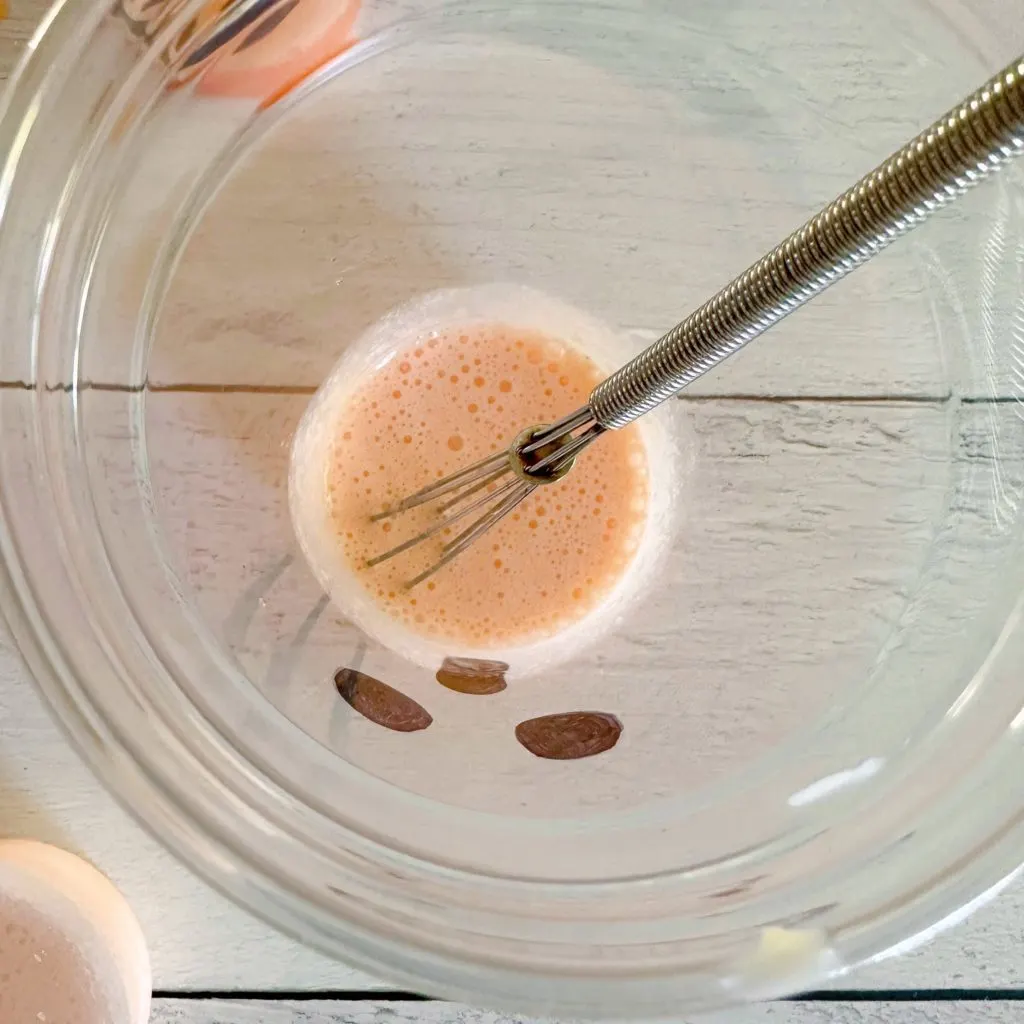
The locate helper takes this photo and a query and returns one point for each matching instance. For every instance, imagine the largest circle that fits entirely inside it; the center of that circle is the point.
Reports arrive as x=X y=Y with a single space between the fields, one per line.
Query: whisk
x=966 y=145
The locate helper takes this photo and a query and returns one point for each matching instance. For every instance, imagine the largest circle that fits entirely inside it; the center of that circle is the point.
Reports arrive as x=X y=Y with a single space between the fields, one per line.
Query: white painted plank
x=170 y=1011
x=371 y=194
x=197 y=938
x=201 y=941
x=218 y=464
x=807 y=526
x=654 y=199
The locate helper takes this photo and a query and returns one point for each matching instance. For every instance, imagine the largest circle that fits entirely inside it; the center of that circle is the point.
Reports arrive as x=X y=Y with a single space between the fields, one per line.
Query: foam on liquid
x=429 y=391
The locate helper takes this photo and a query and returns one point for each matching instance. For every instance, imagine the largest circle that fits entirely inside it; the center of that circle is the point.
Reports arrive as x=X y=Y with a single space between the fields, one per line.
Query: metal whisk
x=966 y=145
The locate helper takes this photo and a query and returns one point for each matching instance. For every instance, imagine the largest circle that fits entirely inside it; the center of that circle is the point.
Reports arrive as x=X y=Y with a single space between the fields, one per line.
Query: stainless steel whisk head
x=965 y=146
x=539 y=455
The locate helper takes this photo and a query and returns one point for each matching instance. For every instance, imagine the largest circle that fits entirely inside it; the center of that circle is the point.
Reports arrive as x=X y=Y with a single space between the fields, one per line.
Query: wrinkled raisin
x=569 y=736
x=380 y=703
x=472 y=675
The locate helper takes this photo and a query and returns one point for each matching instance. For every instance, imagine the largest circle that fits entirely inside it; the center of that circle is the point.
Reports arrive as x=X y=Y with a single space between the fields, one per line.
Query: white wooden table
x=214 y=964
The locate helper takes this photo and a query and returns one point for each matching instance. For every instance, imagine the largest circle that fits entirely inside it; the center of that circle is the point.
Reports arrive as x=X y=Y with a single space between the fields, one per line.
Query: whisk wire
x=445 y=485
x=566 y=425
x=557 y=446
x=455 y=548
x=486 y=482
x=563 y=454
x=965 y=146
x=443 y=524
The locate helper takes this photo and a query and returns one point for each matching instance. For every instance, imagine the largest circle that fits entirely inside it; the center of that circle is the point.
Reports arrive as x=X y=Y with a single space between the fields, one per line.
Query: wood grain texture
x=832 y=474
x=799 y=513
x=633 y=198
x=201 y=941
x=197 y=938
x=169 y=1011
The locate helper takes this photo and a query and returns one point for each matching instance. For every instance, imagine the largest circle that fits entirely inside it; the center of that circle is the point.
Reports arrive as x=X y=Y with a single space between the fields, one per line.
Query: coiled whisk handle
x=960 y=149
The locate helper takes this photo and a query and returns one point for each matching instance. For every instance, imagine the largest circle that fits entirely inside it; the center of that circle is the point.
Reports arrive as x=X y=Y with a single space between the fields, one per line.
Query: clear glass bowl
x=821 y=696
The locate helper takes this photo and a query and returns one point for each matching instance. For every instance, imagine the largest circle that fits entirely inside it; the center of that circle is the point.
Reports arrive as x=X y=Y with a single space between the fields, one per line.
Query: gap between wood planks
x=305 y=389
x=855 y=995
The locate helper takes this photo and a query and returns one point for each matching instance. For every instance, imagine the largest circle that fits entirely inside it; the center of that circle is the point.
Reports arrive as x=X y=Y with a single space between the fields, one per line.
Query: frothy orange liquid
x=443 y=403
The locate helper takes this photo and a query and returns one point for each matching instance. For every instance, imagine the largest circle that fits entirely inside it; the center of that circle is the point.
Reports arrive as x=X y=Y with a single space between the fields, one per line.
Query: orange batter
x=451 y=399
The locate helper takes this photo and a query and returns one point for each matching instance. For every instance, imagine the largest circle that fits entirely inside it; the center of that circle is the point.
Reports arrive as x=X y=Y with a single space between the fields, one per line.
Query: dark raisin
x=571 y=735
x=380 y=703
x=472 y=675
